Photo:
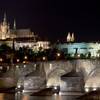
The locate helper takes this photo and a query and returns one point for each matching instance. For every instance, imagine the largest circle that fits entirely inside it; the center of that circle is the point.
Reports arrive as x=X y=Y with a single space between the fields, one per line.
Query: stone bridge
x=89 y=69
x=52 y=71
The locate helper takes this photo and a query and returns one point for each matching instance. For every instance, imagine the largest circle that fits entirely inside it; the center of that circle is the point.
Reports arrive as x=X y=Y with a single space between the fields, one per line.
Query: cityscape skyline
x=54 y=19
x=49 y=50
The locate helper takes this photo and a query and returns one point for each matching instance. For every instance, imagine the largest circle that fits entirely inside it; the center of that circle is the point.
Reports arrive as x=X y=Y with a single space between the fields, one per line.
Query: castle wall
x=82 y=48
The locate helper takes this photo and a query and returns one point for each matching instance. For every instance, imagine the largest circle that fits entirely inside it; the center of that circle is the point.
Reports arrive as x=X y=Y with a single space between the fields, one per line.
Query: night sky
x=54 y=18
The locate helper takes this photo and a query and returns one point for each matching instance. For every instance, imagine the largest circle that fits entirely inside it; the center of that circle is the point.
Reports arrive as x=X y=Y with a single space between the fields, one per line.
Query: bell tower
x=68 y=37
x=72 y=37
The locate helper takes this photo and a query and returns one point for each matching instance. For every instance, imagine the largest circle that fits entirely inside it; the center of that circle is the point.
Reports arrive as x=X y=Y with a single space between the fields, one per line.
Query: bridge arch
x=93 y=79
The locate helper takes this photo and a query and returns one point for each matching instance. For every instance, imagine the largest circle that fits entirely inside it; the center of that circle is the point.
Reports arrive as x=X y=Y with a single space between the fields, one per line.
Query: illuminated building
x=81 y=48
x=21 y=37
x=70 y=38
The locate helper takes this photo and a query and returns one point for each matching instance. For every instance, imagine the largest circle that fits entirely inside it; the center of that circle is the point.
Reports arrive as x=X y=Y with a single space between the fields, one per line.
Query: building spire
x=68 y=37
x=5 y=19
x=72 y=37
x=14 y=26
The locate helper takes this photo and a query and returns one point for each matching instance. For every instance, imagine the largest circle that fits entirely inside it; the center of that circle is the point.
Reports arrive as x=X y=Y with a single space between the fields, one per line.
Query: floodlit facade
x=79 y=48
x=7 y=33
x=21 y=37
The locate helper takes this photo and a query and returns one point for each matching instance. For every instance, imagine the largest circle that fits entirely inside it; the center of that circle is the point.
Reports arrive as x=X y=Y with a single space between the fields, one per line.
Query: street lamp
x=25 y=57
x=18 y=60
x=58 y=54
x=86 y=89
x=44 y=58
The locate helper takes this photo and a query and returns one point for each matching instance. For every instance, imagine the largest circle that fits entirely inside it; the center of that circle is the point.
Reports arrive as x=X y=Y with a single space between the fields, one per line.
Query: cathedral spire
x=14 y=26
x=68 y=37
x=5 y=19
x=72 y=37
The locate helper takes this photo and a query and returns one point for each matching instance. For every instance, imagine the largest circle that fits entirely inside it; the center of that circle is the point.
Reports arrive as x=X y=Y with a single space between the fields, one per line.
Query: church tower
x=4 y=19
x=4 y=27
x=72 y=37
x=68 y=37
x=14 y=25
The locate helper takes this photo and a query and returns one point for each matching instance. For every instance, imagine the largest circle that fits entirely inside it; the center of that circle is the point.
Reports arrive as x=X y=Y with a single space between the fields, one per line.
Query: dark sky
x=54 y=18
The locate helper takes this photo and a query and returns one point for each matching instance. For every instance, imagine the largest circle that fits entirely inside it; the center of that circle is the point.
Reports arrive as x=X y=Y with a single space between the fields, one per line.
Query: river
x=20 y=96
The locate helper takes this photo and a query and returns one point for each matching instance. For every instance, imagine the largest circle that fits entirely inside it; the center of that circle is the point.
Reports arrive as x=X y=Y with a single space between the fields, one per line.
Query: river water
x=20 y=96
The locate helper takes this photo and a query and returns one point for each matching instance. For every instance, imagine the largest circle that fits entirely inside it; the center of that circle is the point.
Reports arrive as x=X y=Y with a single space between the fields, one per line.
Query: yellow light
x=17 y=60
x=60 y=93
x=78 y=55
x=86 y=89
x=17 y=66
x=55 y=94
x=1 y=59
x=98 y=55
x=50 y=66
x=94 y=88
x=25 y=57
x=58 y=54
x=55 y=87
x=44 y=58
x=24 y=62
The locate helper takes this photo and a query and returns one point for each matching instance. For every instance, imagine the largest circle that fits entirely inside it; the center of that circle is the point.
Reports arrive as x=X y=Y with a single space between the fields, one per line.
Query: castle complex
x=36 y=72
x=7 y=33
x=27 y=38
x=79 y=48
x=21 y=37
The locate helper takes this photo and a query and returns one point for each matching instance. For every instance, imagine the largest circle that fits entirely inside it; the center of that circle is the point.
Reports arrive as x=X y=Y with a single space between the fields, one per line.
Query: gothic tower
x=14 y=25
x=4 y=27
x=68 y=37
x=72 y=37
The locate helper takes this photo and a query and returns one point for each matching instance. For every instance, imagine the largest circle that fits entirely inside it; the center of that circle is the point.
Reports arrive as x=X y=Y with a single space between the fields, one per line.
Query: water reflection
x=1 y=96
x=25 y=97
x=4 y=96
x=20 y=96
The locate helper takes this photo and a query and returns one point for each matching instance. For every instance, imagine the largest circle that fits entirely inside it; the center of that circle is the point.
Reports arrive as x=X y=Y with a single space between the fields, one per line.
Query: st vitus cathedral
x=7 y=33
x=21 y=37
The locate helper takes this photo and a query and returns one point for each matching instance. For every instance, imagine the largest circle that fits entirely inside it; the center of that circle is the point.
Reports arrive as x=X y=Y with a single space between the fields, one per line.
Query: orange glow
x=1 y=96
x=25 y=97
x=1 y=59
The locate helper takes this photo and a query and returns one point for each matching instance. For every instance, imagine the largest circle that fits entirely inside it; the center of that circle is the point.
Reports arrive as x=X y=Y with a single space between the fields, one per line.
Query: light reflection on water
x=1 y=96
x=26 y=97
x=19 y=96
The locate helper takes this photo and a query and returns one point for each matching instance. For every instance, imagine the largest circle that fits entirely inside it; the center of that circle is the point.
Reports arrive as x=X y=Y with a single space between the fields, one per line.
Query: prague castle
x=27 y=38
x=63 y=75
x=7 y=33
x=21 y=37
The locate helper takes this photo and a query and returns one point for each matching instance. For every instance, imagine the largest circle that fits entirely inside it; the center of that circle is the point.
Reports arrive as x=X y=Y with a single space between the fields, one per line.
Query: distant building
x=81 y=48
x=21 y=37
x=70 y=38
x=7 y=33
